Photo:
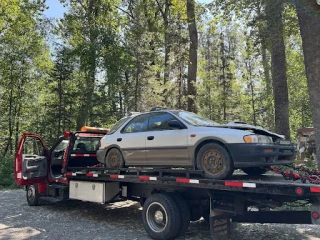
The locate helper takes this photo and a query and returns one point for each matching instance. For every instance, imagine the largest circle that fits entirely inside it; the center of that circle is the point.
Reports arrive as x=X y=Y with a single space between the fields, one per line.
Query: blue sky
x=56 y=9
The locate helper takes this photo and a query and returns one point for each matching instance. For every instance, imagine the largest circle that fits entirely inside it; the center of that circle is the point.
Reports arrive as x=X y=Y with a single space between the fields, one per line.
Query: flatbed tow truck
x=171 y=198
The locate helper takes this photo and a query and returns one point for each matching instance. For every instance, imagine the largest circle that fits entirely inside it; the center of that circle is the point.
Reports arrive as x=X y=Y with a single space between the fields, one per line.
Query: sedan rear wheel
x=215 y=161
x=114 y=159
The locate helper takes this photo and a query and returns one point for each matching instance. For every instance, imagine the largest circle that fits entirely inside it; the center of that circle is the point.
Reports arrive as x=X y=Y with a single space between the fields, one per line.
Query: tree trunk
x=167 y=47
x=309 y=21
x=224 y=92
x=251 y=85
x=266 y=68
x=193 y=57
x=60 y=103
x=125 y=94
x=278 y=64
x=137 y=85
x=10 y=124
x=86 y=108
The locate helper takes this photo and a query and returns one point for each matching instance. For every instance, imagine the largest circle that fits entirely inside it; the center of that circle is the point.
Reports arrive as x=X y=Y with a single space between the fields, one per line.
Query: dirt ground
x=82 y=220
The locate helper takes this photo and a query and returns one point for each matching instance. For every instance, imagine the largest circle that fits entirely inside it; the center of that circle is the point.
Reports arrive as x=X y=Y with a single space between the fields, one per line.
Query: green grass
x=6 y=173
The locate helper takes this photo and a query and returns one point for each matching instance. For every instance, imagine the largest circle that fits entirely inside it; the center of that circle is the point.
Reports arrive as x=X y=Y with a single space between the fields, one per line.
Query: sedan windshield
x=195 y=120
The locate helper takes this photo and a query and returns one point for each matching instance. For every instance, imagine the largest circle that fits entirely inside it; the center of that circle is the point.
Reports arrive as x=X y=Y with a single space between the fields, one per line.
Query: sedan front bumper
x=260 y=155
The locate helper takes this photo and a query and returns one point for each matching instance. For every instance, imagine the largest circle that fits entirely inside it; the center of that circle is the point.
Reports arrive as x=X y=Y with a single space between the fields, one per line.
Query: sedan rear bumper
x=101 y=155
x=260 y=155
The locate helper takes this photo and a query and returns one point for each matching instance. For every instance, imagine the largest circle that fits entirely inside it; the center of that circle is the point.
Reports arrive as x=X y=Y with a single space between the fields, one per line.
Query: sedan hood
x=254 y=129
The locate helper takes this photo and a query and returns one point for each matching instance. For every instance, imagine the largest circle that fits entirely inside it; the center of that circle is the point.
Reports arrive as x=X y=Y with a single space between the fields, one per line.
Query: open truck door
x=31 y=160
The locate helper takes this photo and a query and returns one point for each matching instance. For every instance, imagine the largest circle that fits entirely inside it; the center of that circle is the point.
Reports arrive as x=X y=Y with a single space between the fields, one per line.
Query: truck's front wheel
x=161 y=216
x=32 y=195
x=184 y=213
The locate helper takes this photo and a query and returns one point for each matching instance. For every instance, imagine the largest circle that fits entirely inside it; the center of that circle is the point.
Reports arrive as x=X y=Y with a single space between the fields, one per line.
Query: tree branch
x=160 y=9
x=84 y=7
x=126 y=12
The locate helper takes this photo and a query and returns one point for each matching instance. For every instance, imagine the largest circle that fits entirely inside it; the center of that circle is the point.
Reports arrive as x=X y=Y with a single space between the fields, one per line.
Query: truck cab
x=37 y=167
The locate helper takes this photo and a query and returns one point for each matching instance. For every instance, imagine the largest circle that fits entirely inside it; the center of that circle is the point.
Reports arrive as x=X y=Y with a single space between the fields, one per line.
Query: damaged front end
x=278 y=152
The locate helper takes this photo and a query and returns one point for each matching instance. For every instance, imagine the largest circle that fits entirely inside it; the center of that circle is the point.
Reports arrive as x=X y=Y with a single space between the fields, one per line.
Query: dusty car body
x=173 y=138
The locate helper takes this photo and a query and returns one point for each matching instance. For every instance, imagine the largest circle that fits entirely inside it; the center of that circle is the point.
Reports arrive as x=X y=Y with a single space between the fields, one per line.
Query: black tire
x=114 y=159
x=161 y=217
x=255 y=171
x=32 y=195
x=184 y=213
x=215 y=161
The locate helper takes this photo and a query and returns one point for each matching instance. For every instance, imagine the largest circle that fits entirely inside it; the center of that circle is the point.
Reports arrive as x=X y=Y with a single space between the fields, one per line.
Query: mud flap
x=219 y=224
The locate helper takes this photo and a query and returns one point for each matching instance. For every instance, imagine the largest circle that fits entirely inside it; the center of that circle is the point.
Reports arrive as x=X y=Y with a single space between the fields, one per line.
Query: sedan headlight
x=255 y=138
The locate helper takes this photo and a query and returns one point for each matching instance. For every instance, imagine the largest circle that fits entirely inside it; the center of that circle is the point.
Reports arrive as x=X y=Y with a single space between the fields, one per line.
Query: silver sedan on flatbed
x=176 y=138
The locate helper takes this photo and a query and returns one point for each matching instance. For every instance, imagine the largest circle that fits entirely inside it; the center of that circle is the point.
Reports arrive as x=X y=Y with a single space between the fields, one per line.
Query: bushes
x=6 y=172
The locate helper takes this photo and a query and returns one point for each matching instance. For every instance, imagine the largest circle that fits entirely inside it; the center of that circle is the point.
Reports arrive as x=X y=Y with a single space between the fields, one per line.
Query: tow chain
x=301 y=173
x=95 y=166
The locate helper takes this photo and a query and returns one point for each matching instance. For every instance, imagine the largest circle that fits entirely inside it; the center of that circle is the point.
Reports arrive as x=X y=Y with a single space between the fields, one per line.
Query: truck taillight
x=315 y=215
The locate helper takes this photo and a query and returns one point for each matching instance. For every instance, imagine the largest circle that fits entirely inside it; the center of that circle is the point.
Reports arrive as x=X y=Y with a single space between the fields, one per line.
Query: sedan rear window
x=117 y=125
x=137 y=124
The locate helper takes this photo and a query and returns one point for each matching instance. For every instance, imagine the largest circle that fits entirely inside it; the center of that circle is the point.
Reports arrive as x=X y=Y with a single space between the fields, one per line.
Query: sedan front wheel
x=215 y=161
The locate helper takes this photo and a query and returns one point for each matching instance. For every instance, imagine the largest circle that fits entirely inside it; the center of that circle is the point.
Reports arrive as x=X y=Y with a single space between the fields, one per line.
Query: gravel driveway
x=82 y=220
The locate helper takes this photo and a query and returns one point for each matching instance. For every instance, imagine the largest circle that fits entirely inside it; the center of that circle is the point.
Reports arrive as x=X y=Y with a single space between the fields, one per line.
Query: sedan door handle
x=119 y=139
x=150 y=137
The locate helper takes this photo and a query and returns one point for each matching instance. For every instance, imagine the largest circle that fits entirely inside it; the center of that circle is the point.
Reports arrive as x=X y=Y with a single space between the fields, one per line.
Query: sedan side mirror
x=174 y=124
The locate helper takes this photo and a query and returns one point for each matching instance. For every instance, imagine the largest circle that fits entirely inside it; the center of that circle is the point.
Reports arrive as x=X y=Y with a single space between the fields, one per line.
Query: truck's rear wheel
x=161 y=216
x=255 y=171
x=32 y=195
x=215 y=161
x=114 y=159
x=184 y=213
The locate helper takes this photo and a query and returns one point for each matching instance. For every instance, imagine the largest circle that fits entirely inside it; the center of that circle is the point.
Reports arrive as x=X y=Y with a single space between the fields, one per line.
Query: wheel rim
x=157 y=217
x=31 y=194
x=212 y=161
x=114 y=160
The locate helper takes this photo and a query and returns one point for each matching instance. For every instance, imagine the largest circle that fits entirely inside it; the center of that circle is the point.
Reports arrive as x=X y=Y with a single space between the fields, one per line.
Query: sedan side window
x=159 y=121
x=137 y=124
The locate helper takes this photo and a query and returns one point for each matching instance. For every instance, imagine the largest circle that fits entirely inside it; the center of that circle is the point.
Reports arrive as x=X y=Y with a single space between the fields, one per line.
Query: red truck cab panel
x=31 y=160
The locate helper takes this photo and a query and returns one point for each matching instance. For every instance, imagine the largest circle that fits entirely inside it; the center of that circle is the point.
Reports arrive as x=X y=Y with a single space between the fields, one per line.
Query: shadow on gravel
x=115 y=213
x=128 y=214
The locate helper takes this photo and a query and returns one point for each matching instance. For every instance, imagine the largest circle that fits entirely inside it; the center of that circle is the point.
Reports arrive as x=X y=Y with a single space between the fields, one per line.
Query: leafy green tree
x=23 y=61
x=309 y=22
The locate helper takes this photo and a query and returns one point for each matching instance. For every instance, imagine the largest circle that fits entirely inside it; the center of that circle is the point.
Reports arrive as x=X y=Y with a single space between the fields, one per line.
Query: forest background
x=255 y=61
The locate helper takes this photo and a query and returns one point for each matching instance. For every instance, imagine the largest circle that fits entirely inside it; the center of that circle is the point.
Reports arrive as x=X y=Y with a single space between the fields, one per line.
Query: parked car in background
x=175 y=138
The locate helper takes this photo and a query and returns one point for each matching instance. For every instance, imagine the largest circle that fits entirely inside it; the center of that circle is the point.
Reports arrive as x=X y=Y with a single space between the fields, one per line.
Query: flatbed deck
x=271 y=184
